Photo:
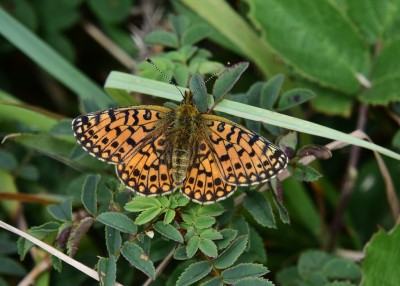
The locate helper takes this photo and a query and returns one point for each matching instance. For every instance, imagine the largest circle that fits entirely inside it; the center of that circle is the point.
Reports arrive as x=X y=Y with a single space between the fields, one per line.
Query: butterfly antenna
x=223 y=67
x=164 y=75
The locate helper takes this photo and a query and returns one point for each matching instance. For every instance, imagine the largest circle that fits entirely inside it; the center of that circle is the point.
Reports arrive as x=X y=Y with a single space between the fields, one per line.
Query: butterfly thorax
x=187 y=127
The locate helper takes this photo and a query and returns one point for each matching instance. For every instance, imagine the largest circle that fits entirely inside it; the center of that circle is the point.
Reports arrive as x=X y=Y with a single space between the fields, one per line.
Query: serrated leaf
x=107 y=270
x=228 y=235
x=283 y=213
x=63 y=211
x=294 y=97
x=232 y=253
x=270 y=92
x=180 y=253
x=89 y=193
x=77 y=234
x=342 y=269
x=227 y=80
x=254 y=282
x=256 y=251
x=381 y=257
x=194 y=273
x=56 y=263
x=304 y=172
x=308 y=23
x=211 y=233
x=211 y=210
x=118 y=221
x=113 y=240
x=208 y=247
x=139 y=203
x=385 y=84
x=259 y=207
x=169 y=216
x=136 y=256
x=204 y=222
x=192 y=246
x=199 y=90
x=216 y=281
x=194 y=34
x=311 y=262
x=168 y=231
x=163 y=38
x=233 y=274
x=148 y=215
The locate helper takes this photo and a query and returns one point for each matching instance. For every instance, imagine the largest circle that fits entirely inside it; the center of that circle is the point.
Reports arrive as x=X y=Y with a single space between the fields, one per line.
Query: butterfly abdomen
x=180 y=164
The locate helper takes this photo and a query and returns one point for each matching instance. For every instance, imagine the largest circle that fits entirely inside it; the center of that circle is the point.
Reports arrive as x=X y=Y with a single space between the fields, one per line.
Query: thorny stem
x=348 y=184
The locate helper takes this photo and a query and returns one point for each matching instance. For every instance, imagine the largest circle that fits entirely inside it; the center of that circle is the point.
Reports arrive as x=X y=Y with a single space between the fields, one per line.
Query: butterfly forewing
x=203 y=183
x=243 y=157
x=116 y=134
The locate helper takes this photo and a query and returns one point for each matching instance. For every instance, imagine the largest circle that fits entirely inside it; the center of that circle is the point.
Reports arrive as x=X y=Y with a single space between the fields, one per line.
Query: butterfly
x=158 y=149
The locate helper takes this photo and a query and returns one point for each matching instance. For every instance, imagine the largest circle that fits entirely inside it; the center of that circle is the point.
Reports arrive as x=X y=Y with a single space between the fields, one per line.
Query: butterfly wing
x=203 y=183
x=243 y=157
x=147 y=172
x=116 y=134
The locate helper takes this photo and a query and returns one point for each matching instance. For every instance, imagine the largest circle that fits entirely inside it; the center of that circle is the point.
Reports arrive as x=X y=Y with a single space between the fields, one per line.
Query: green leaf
x=382 y=254
x=192 y=246
x=148 y=215
x=194 y=34
x=228 y=236
x=107 y=270
x=211 y=233
x=270 y=91
x=169 y=216
x=179 y=24
x=386 y=77
x=304 y=172
x=202 y=222
x=139 y=203
x=7 y=161
x=258 y=206
x=89 y=193
x=256 y=251
x=194 y=273
x=227 y=80
x=56 y=263
x=136 y=256
x=331 y=102
x=110 y=11
x=396 y=140
x=289 y=276
x=63 y=211
x=342 y=269
x=211 y=210
x=233 y=274
x=254 y=282
x=113 y=240
x=373 y=18
x=180 y=253
x=283 y=213
x=118 y=221
x=208 y=247
x=294 y=97
x=181 y=74
x=200 y=95
x=168 y=231
x=311 y=262
x=308 y=23
x=216 y=281
x=163 y=38
x=232 y=253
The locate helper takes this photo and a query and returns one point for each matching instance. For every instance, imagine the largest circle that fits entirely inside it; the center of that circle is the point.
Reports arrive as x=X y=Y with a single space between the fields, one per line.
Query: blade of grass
x=51 y=61
x=130 y=83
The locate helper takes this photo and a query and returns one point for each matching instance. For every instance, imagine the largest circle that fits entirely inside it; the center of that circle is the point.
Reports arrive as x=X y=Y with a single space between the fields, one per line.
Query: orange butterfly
x=158 y=149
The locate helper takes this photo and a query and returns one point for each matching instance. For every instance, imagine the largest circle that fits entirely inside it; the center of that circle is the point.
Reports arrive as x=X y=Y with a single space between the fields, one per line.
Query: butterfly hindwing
x=243 y=157
x=147 y=171
x=203 y=183
x=115 y=134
